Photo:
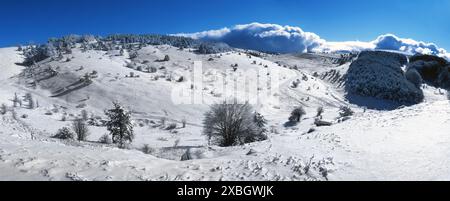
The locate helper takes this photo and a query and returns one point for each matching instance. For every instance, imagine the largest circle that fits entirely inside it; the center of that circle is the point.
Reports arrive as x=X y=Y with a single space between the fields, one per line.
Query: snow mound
x=379 y=74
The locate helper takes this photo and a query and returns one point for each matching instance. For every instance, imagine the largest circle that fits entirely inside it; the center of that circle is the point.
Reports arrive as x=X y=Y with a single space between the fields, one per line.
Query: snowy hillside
x=405 y=143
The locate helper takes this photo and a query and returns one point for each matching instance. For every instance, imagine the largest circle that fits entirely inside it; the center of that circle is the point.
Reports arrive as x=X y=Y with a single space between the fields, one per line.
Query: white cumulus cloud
x=289 y=39
x=263 y=37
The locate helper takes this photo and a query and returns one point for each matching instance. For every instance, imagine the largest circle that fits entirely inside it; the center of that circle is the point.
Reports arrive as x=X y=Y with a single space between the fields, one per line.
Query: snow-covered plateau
x=382 y=140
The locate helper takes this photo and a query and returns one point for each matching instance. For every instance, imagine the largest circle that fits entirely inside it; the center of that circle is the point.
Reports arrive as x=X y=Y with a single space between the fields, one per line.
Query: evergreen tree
x=119 y=125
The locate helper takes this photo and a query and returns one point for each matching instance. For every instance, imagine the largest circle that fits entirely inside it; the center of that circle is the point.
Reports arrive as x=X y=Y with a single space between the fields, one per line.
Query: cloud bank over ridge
x=288 y=39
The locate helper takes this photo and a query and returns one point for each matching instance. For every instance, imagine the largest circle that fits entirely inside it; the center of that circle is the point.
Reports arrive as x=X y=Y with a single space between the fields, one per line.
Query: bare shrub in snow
x=119 y=125
x=81 y=130
x=232 y=124
x=297 y=114
x=65 y=134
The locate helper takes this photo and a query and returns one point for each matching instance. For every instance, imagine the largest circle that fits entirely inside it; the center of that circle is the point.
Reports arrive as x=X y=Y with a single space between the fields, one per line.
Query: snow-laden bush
x=434 y=70
x=233 y=124
x=297 y=114
x=81 y=129
x=345 y=111
x=414 y=77
x=64 y=134
x=378 y=74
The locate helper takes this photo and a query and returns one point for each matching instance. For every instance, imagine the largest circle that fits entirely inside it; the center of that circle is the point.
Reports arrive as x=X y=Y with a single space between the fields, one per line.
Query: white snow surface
x=410 y=143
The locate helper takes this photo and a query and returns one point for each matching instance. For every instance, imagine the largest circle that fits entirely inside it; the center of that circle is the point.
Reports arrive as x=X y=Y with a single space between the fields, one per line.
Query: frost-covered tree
x=119 y=125
x=297 y=114
x=232 y=124
x=29 y=99
x=81 y=130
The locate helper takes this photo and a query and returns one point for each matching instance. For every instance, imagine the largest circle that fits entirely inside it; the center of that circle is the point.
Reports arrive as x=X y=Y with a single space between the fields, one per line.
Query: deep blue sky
x=23 y=21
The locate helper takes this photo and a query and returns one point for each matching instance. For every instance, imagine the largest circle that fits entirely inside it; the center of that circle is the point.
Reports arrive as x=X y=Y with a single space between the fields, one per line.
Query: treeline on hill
x=56 y=47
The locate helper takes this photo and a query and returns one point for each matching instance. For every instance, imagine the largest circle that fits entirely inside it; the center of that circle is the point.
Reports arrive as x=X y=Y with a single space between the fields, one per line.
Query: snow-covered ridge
x=90 y=75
